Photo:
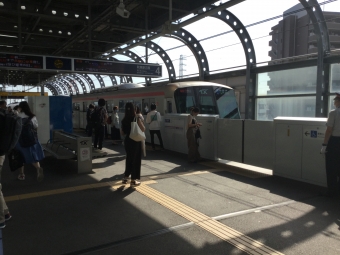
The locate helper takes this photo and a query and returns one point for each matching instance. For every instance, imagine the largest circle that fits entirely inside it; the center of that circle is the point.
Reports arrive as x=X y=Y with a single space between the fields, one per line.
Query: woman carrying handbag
x=130 y=124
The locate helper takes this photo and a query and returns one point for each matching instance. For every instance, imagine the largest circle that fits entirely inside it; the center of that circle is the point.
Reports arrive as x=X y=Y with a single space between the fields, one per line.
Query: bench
x=65 y=145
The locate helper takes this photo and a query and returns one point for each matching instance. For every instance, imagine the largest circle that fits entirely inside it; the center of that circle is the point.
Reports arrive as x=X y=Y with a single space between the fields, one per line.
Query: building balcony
x=333 y=26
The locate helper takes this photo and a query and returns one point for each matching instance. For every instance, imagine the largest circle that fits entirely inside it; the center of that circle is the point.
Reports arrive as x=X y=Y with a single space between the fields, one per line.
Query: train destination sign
x=21 y=61
x=117 y=68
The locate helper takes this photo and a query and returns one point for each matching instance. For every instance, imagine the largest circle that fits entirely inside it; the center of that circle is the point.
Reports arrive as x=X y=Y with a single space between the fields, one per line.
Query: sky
x=224 y=51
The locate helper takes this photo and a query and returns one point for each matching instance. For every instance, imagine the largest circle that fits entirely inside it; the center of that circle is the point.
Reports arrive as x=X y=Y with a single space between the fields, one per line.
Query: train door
x=168 y=105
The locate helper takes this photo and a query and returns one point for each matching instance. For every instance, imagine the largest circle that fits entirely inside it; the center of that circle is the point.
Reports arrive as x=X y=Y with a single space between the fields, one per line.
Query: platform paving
x=70 y=213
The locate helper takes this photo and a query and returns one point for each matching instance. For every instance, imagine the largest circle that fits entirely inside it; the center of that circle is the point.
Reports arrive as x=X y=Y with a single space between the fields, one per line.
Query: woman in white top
x=331 y=146
x=154 y=120
x=31 y=152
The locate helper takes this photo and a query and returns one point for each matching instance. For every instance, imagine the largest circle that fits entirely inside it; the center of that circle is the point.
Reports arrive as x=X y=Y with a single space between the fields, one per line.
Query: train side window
x=206 y=100
x=121 y=106
x=226 y=102
x=184 y=99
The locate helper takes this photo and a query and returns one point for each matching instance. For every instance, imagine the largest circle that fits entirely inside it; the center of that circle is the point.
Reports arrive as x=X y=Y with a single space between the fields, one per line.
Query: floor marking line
x=216 y=228
x=181 y=209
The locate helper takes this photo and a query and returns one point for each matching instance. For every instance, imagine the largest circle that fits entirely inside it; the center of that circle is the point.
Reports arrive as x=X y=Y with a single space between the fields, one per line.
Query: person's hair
x=153 y=107
x=101 y=102
x=16 y=107
x=25 y=108
x=195 y=109
x=3 y=103
x=115 y=108
x=129 y=113
x=91 y=106
x=138 y=110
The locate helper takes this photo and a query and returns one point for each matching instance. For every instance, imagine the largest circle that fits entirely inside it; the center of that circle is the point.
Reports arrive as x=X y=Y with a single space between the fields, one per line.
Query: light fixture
x=76 y=15
x=65 y=14
x=23 y=7
x=2 y=4
x=54 y=12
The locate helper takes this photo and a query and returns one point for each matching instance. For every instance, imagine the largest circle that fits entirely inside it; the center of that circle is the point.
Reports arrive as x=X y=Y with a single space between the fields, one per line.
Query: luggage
x=15 y=160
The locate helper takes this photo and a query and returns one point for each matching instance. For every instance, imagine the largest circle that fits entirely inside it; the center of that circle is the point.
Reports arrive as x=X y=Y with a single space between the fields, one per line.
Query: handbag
x=15 y=160
x=136 y=133
x=198 y=134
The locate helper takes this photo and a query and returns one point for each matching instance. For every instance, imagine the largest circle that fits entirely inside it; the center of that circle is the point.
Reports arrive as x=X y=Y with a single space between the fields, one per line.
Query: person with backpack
x=4 y=212
x=154 y=120
x=28 y=144
x=115 y=129
x=99 y=118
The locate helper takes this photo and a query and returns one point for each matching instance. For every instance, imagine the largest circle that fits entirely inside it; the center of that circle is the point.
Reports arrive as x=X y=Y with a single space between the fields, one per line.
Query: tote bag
x=136 y=133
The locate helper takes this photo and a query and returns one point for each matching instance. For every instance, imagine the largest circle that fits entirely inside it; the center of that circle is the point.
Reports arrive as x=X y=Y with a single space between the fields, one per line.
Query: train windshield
x=185 y=99
x=226 y=103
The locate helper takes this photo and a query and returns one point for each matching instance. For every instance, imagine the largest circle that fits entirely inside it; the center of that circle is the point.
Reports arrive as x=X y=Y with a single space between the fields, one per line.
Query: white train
x=210 y=98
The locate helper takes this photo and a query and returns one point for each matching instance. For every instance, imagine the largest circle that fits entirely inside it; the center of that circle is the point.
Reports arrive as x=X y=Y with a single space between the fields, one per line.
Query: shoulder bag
x=136 y=133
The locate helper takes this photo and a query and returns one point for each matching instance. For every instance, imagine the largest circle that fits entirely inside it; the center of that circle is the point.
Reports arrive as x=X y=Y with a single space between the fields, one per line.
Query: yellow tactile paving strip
x=113 y=185
x=218 y=229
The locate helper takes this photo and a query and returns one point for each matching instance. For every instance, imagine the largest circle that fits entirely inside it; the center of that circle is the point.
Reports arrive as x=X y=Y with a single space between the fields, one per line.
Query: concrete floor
x=70 y=213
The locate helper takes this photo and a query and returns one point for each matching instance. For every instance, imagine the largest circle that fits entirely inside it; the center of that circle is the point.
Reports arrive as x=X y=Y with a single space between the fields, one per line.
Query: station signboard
x=117 y=68
x=21 y=61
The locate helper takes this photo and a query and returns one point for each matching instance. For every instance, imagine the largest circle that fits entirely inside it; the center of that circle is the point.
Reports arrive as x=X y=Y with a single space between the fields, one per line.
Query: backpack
x=10 y=130
x=95 y=117
x=28 y=135
x=109 y=120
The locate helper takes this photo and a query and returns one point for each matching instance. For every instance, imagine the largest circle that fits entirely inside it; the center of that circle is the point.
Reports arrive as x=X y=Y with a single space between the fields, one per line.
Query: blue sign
x=313 y=134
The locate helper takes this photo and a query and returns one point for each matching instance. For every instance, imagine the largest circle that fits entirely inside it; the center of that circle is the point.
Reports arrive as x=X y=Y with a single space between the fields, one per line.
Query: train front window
x=184 y=99
x=206 y=100
x=226 y=103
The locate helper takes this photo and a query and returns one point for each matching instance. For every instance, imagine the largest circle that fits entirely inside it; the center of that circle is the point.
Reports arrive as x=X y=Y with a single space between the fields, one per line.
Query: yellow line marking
x=232 y=236
x=114 y=185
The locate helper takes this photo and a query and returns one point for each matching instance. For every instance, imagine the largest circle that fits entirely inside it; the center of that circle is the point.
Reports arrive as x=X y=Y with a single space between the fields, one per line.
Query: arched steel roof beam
x=80 y=81
x=165 y=57
x=60 y=85
x=249 y=50
x=320 y=28
x=57 y=88
x=113 y=80
x=100 y=79
x=52 y=89
x=66 y=77
x=196 y=48
x=67 y=84
x=89 y=80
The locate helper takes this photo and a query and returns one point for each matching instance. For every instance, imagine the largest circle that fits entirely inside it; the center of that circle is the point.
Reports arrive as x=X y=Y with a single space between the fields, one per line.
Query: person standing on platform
x=4 y=212
x=133 y=149
x=89 y=126
x=192 y=127
x=331 y=147
x=115 y=130
x=31 y=152
x=99 y=118
x=154 y=120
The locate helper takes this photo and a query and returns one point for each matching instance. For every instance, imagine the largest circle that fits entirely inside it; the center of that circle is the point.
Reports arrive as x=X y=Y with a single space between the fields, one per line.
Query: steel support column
x=320 y=28
x=249 y=50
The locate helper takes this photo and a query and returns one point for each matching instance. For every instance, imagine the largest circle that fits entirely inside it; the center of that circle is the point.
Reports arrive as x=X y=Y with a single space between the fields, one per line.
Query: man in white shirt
x=154 y=120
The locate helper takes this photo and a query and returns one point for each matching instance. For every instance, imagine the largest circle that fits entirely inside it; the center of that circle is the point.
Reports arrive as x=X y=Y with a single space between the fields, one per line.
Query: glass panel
x=185 y=99
x=226 y=103
x=335 y=78
x=287 y=82
x=121 y=106
x=270 y=108
x=206 y=101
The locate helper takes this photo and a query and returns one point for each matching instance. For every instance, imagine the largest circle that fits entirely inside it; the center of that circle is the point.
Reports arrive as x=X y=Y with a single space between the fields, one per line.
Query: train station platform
x=180 y=208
